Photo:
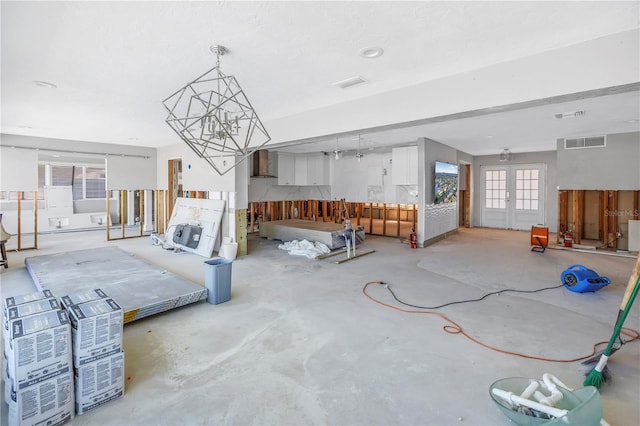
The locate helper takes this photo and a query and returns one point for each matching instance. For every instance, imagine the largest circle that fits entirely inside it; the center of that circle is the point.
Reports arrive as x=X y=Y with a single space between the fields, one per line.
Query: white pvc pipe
x=511 y=398
x=533 y=386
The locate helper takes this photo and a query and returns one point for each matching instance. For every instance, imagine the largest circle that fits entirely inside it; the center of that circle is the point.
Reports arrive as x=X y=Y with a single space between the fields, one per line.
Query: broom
x=595 y=377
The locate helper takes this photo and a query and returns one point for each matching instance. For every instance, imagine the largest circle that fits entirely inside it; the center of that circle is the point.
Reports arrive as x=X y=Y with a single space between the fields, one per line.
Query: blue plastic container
x=581 y=279
x=217 y=279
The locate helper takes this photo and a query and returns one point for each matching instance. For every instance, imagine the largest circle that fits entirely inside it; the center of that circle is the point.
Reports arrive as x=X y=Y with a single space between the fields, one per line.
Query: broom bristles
x=594 y=378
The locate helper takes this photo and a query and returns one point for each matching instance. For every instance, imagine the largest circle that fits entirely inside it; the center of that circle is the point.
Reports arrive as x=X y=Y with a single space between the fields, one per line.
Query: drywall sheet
x=131 y=173
x=204 y=213
x=140 y=288
x=18 y=169
x=328 y=233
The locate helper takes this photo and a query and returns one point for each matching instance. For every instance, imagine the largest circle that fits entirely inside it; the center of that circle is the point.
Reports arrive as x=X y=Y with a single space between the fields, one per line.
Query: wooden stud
x=414 y=217
x=19 y=221
x=636 y=206
x=108 y=214
x=613 y=218
x=35 y=218
x=602 y=216
x=563 y=212
x=371 y=218
x=241 y=231
x=384 y=219
x=398 y=218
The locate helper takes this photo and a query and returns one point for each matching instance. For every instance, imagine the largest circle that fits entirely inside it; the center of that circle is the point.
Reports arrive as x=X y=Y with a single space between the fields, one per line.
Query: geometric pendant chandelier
x=214 y=117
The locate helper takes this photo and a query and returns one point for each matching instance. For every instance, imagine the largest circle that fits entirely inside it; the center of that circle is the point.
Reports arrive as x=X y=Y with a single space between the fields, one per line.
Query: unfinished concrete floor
x=300 y=344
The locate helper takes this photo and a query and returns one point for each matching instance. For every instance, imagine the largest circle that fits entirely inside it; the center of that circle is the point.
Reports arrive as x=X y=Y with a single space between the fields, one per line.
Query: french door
x=513 y=196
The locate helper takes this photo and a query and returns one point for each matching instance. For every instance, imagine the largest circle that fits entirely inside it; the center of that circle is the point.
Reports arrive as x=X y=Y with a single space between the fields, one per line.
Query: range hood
x=261 y=164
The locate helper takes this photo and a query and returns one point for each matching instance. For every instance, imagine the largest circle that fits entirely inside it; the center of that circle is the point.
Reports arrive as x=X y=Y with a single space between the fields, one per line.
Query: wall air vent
x=351 y=81
x=590 y=142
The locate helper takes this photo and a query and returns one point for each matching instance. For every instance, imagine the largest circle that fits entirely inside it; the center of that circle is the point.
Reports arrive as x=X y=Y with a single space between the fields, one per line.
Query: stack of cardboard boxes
x=61 y=358
x=39 y=373
x=98 y=360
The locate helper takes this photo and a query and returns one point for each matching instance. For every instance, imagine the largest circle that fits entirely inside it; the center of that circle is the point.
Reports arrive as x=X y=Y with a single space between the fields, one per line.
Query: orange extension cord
x=454 y=328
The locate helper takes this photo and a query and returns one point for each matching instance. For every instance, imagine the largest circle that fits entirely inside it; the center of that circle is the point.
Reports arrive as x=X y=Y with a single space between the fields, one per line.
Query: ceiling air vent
x=590 y=142
x=351 y=81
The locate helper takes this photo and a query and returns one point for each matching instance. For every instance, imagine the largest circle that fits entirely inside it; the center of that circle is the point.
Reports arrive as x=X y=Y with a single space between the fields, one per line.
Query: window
x=495 y=189
x=95 y=182
x=86 y=181
x=527 y=189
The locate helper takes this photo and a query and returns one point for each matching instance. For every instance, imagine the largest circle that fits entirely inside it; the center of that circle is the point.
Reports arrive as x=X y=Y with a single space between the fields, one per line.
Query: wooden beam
x=371 y=218
x=398 y=234
x=241 y=231
x=613 y=217
x=19 y=221
x=636 y=206
x=35 y=219
x=577 y=214
x=384 y=219
x=563 y=211
x=601 y=215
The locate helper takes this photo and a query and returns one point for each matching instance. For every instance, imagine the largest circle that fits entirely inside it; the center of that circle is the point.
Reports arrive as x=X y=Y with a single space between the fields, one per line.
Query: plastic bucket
x=217 y=279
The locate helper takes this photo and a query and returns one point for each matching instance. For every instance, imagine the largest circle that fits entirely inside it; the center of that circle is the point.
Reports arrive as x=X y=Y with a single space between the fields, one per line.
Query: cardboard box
x=83 y=297
x=96 y=328
x=40 y=345
x=48 y=402
x=23 y=310
x=99 y=382
x=25 y=298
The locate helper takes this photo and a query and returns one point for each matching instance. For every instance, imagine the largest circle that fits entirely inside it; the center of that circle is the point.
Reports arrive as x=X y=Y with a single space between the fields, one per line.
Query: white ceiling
x=114 y=62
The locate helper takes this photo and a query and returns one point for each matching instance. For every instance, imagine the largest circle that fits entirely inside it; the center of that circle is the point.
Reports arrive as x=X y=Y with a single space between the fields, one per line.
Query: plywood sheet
x=142 y=289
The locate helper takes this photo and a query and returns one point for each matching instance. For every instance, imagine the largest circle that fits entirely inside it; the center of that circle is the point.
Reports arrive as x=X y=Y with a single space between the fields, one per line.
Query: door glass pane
x=495 y=189
x=527 y=199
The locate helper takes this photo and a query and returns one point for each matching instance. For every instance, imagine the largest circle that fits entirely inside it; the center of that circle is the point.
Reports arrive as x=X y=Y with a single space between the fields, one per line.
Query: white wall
x=197 y=174
x=613 y=167
x=267 y=189
x=433 y=220
x=367 y=181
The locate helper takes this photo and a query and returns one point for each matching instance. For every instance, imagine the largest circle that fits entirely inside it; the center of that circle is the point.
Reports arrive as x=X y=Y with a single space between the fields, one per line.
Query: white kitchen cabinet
x=300 y=170
x=286 y=169
x=303 y=170
x=317 y=167
x=404 y=165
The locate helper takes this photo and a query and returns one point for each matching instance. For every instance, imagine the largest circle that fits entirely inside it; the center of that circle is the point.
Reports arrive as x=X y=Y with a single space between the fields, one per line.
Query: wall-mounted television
x=445 y=183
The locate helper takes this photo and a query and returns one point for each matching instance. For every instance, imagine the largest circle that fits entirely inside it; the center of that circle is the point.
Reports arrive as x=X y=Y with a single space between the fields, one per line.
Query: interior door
x=513 y=196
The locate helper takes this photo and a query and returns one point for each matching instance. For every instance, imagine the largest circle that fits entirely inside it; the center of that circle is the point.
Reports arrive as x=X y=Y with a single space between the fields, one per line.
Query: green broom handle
x=623 y=317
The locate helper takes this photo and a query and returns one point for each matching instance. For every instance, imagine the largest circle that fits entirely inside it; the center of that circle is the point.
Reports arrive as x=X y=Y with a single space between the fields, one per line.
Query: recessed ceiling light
x=25 y=127
x=635 y=120
x=44 y=84
x=371 y=52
